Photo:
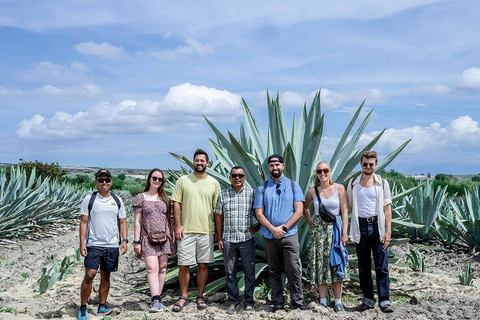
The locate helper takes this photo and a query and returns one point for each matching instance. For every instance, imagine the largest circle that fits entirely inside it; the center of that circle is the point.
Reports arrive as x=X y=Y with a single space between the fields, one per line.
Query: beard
x=276 y=174
x=200 y=169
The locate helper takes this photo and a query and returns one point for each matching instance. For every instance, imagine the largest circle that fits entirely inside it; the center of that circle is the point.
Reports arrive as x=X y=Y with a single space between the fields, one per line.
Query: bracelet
x=137 y=241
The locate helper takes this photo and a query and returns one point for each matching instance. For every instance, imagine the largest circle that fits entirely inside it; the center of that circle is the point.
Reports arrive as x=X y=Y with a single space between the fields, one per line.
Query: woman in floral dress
x=152 y=213
x=322 y=272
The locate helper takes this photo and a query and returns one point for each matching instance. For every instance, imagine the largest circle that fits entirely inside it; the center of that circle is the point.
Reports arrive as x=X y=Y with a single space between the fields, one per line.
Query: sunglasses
x=368 y=165
x=278 y=189
x=237 y=175
x=160 y=179
x=324 y=171
x=102 y=180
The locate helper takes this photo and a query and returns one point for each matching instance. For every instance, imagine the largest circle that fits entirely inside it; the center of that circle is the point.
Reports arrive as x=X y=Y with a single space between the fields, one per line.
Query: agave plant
x=423 y=207
x=466 y=224
x=28 y=204
x=300 y=150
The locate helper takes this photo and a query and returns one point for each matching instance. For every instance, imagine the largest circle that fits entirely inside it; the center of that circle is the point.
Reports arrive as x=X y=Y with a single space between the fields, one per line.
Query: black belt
x=369 y=219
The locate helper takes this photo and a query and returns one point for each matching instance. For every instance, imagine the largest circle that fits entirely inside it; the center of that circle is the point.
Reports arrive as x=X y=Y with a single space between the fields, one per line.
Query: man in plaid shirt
x=235 y=230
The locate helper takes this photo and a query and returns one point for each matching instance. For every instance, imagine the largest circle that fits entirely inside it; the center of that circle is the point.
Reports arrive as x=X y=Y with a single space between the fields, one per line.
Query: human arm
x=178 y=221
x=342 y=195
x=297 y=214
x=219 y=230
x=306 y=210
x=277 y=232
x=83 y=234
x=123 y=233
x=388 y=225
x=137 y=247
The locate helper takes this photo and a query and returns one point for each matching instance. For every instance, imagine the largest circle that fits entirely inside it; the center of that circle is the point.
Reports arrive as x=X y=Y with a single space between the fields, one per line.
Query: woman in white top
x=334 y=198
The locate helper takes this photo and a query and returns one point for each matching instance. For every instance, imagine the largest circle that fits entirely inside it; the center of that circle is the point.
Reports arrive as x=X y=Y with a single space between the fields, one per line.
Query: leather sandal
x=363 y=307
x=177 y=307
x=387 y=308
x=201 y=304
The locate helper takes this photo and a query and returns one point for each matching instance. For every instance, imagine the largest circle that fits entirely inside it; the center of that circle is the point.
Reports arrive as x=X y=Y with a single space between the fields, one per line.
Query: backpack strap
x=117 y=201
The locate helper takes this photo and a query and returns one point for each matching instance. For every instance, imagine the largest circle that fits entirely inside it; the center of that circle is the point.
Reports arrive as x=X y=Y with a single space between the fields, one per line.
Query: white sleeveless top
x=332 y=203
x=367 y=201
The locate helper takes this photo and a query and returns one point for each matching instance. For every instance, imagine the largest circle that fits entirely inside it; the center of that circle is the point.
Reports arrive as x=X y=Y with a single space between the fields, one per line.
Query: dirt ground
x=434 y=294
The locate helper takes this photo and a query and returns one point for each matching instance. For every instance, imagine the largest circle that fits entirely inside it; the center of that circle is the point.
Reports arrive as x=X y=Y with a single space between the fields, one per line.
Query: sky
x=121 y=84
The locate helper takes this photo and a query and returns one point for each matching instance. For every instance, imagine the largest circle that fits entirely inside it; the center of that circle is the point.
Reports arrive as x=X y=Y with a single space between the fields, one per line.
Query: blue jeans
x=370 y=244
x=231 y=253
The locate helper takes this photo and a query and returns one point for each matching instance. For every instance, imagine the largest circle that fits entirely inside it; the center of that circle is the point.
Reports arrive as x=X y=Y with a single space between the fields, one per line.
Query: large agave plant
x=28 y=204
x=300 y=150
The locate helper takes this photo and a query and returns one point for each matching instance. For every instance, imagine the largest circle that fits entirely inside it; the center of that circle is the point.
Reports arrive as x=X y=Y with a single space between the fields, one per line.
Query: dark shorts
x=103 y=257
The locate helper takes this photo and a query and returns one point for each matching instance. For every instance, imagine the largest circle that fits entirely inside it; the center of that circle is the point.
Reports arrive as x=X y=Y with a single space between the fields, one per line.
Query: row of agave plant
x=448 y=218
x=301 y=152
x=29 y=204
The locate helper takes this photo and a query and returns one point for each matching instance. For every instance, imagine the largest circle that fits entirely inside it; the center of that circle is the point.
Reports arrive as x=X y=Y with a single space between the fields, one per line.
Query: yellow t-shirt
x=198 y=197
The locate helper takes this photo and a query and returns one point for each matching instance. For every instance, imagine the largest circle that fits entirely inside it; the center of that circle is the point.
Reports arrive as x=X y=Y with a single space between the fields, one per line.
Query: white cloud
x=438 y=89
x=86 y=91
x=183 y=107
x=330 y=99
x=372 y=96
x=104 y=50
x=50 y=72
x=290 y=99
x=180 y=53
x=461 y=134
x=421 y=105
x=470 y=80
x=9 y=92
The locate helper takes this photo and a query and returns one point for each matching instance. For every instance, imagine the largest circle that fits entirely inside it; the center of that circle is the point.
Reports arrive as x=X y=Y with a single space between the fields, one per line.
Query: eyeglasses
x=102 y=180
x=278 y=189
x=365 y=164
x=160 y=179
x=237 y=175
x=324 y=171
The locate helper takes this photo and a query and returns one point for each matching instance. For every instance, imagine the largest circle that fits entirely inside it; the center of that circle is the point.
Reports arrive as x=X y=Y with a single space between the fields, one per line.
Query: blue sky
x=122 y=83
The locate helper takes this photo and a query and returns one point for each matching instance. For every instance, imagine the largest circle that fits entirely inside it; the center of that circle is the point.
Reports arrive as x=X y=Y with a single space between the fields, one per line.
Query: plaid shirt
x=237 y=211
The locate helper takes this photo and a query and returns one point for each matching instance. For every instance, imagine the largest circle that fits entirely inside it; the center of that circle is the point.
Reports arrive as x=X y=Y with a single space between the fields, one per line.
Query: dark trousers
x=369 y=245
x=231 y=253
x=283 y=254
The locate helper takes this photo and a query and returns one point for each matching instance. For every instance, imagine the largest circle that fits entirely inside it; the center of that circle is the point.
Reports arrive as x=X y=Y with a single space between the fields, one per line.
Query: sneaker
x=249 y=309
x=157 y=306
x=82 y=314
x=278 y=307
x=104 y=310
x=298 y=307
x=232 y=309
x=339 y=308
x=363 y=307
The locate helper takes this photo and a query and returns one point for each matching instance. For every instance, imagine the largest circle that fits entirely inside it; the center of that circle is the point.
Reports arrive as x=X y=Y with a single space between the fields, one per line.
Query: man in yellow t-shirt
x=197 y=193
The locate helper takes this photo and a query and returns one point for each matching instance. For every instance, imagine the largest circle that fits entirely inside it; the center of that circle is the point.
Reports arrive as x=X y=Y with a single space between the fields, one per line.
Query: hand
x=310 y=224
x=83 y=250
x=123 y=248
x=386 y=240
x=179 y=234
x=344 y=239
x=253 y=230
x=278 y=232
x=220 y=245
x=138 y=249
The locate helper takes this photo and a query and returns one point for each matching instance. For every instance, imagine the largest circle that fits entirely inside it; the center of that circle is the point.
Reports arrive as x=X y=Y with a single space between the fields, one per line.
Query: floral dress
x=321 y=272
x=154 y=218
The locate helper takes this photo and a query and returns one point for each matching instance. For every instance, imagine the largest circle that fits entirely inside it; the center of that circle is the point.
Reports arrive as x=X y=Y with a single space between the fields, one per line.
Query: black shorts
x=106 y=258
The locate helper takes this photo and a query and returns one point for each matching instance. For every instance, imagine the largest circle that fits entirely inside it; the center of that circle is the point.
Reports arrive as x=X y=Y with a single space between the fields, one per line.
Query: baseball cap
x=275 y=158
x=103 y=171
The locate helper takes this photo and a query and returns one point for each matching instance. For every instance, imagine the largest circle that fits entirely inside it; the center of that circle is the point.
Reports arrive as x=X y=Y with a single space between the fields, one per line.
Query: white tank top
x=367 y=201
x=332 y=203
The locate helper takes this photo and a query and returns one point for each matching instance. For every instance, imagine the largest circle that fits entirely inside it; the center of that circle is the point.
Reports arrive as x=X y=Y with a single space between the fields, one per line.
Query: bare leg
x=184 y=279
x=337 y=289
x=104 y=287
x=151 y=263
x=322 y=290
x=86 y=287
x=162 y=272
x=202 y=277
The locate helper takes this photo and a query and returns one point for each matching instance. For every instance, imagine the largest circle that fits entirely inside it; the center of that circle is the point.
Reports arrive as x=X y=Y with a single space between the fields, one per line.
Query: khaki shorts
x=195 y=248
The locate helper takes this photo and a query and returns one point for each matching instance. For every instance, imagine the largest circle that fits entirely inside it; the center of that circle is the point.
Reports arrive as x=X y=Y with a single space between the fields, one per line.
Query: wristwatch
x=125 y=240
x=284 y=228
x=137 y=241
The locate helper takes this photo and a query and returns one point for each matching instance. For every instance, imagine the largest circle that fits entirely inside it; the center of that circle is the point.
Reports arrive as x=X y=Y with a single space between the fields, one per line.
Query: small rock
x=414 y=300
x=217 y=297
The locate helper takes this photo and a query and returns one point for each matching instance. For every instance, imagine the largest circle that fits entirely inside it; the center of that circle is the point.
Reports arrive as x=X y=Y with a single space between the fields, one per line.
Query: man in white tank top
x=369 y=200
